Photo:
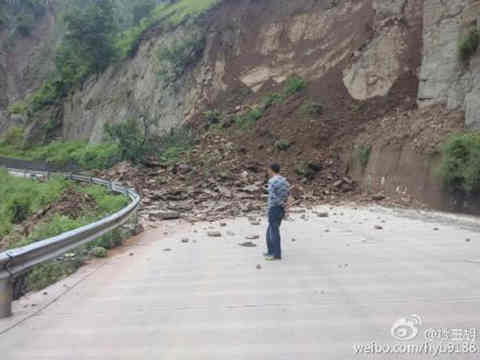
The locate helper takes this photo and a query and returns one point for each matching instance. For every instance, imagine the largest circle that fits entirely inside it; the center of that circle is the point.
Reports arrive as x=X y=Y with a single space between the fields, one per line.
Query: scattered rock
x=164 y=215
x=131 y=254
x=252 y=237
x=378 y=227
x=167 y=249
x=435 y=229
x=322 y=214
x=248 y=244
x=378 y=197
x=223 y=224
x=259 y=267
x=214 y=234
x=185 y=240
x=293 y=240
x=467 y=240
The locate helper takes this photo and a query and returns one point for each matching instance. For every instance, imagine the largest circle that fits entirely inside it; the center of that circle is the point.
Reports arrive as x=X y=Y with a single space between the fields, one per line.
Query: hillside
x=336 y=90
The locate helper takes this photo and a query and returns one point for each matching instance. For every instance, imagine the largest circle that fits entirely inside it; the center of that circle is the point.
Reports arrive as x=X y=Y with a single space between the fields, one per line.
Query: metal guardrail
x=17 y=261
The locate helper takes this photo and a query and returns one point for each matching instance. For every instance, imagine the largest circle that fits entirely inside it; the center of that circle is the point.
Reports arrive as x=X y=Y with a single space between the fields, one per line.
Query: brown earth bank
x=361 y=61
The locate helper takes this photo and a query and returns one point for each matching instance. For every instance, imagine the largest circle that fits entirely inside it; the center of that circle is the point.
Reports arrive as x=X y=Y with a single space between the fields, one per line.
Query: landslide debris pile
x=216 y=180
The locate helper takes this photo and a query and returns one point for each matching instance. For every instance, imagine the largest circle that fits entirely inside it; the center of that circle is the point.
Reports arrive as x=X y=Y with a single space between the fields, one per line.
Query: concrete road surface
x=343 y=288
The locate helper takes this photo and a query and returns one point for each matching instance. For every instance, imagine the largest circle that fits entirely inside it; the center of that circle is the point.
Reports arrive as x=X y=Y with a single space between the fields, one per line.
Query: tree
x=142 y=10
x=88 y=43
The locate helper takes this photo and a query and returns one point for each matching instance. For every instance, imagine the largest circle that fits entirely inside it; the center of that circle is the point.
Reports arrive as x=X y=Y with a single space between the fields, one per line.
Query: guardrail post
x=6 y=296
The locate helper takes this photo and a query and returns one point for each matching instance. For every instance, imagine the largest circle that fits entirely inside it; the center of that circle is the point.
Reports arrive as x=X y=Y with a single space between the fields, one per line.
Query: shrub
x=362 y=155
x=293 y=85
x=99 y=252
x=249 y=118
x=19 y=207
x=282 y=145
x=272 y=99
x=173 y=143
x=213 y=117
x=13 y=137
x=469 y=45
x=310 y=108
x=18 y=108
x=460 y=166
x=46 y=274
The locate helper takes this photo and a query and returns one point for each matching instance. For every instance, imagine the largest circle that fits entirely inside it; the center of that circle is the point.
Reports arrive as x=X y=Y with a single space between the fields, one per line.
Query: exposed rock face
x=254 y=45
x=26 y=62
x=444 y=78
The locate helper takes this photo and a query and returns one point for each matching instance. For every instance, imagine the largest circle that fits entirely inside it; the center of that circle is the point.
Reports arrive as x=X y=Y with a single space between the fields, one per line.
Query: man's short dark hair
x=275 y=168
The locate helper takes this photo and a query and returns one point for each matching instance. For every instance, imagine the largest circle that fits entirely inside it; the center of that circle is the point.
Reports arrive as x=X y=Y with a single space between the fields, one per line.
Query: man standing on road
x=278 y=191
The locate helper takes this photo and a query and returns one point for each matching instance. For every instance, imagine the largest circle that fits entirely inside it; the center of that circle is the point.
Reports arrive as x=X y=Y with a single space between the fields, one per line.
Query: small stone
x=185 y=240
x=378 y=197
x=293 y=240
x=435 y=229
x=248 y=244
x=326 y=230
x=322 y=214
x=255 y=223
x=45 y=293
x=223 y=224
x=252 y=237
x=468 y=240
x=214 y=234
x=259 y=267
x=167 y=249
x=131 y=254
x=378 y=227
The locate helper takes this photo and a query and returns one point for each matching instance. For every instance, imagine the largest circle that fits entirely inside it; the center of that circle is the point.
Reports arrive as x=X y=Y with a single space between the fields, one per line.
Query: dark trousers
x=275 y=217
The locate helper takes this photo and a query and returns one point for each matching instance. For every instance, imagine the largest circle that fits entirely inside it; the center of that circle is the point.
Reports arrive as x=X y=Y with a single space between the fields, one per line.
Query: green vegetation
x=175 y=60
x=469 y=45
x=282 y=145
x=137 y=143
x=310 y=108
x=85 y=155
x=460 y=167
x=49 y=273
x=19 y=16
x=99 y=252
x=213 y=117
x=362 y=155
x=166 y=14
x=22 y=198
x=250 y=118
x=292 y=85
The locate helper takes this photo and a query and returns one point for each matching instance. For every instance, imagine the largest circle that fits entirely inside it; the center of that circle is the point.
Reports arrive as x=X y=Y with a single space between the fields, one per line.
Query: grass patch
x=250 y=118
x=22 y=198
x=292 y=85
x=60 y=153
x=469 y=45
x=460 y=166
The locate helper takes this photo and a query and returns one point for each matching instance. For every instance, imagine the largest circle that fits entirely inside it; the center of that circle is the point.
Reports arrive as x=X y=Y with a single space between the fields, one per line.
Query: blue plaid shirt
x=278 y=191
